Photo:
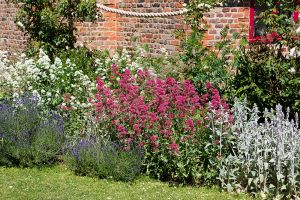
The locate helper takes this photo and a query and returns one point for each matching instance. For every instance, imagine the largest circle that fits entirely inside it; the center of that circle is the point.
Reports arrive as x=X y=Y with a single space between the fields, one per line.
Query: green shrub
x=168 y=119
x=69 y=81
x=90 y=157
x=28 y=137
x=52 y=23
x=205 y=65
x=267 y=79
x=268 y=69
x=201 y=63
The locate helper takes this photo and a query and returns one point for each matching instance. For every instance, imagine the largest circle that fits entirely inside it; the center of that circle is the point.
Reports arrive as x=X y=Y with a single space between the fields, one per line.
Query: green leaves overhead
x=52 y=23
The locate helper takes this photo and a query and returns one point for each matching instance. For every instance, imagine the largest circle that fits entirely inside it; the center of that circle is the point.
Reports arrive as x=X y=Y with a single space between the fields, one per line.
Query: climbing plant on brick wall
x=51 y=23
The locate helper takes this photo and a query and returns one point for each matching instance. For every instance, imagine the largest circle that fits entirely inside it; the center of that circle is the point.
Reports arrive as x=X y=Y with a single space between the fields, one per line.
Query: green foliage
x=268 y=70
x=65 y=84
x=28 y=137
x=204 y=64
x=266 y=79
x=52 y=23
x=69 y=81
x=104 y=160
x=196 y=10
x=198 y=162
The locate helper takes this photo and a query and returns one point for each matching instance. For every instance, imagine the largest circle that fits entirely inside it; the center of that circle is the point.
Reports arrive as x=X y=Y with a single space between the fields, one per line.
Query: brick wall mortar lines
x=114 y=30
x=10 y=37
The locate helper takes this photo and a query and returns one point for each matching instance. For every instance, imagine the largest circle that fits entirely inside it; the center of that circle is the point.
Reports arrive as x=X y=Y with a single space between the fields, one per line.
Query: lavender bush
x=28 y=136
x=91 y=156
x=265 y=156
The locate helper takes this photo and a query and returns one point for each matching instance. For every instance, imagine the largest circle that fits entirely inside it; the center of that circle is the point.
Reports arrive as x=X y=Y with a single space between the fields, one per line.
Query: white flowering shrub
x=265 y=156
x=60 y=85
x=51 y=81
x=68 y=82
x=161 y=65
x=9 y=77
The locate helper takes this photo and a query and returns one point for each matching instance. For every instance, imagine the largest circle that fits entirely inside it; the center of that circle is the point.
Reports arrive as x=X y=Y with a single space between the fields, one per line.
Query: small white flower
x=48 y=94
x=15 y=95
x=15 y=83
x=200 y=5
x=34 y=92
x=163 y=50
x=184 y=4
x=292 y=70
x=293 y=52
x=298 y=30
x=203 y=5
x=52 y=76
x=68 y=61
x=20 y=24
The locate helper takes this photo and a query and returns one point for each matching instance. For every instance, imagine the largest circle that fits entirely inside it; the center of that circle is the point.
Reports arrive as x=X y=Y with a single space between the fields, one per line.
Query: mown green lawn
x=60 y=183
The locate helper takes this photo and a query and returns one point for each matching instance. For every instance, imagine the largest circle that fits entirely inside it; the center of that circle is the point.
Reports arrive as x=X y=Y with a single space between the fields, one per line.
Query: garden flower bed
x=133 y=121
x=88 y=118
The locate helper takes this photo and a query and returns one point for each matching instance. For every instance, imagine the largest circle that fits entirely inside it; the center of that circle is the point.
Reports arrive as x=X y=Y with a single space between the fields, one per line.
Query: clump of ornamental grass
x=265 y=157
x=29 y=136
x=164 y=117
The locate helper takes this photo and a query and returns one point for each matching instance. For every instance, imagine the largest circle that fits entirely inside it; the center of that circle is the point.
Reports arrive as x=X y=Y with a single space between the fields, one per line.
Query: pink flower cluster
x=151 y=111
x=213 y=96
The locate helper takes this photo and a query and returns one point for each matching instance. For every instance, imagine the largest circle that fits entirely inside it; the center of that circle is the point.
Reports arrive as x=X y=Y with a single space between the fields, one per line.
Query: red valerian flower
x=153 y=138
x=208 y=86
x=189 y=124
x=174 y=148
x=138 y=107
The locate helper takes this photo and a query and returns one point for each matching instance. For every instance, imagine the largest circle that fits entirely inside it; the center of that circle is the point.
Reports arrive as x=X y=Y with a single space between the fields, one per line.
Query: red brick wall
x=236 y=18
x=10 y=37
x=115 y=31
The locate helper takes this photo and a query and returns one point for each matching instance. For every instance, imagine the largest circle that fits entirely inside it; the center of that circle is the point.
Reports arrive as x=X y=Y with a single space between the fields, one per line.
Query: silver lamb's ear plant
x=265 y=156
